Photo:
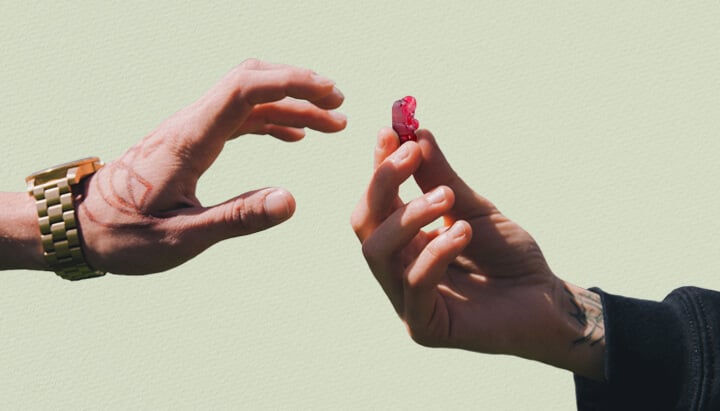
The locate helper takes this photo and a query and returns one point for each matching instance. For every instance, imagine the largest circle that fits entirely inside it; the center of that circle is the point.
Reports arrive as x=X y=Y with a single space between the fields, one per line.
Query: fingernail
x=401 y=154
x=456 y=231
x=336 y=115
x=338 y=92
x=276 y=206
x=322 y=79
x=436 y=196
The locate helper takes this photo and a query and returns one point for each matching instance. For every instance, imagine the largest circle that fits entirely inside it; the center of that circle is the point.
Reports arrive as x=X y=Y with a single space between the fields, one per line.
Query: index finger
x=211 y=120
x=230 y=101
x=381 y=197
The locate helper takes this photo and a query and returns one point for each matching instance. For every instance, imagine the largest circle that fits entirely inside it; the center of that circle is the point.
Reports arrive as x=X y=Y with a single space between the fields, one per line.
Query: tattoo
x=588 y=313
x=134 y=196
x=124 y=190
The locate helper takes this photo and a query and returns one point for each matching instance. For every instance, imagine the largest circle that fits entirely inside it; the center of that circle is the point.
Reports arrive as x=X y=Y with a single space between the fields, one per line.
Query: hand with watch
x=83 y=219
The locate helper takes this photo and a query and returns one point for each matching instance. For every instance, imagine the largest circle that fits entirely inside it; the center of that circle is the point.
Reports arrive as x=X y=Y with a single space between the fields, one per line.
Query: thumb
x=435 y=170
x=245 y=214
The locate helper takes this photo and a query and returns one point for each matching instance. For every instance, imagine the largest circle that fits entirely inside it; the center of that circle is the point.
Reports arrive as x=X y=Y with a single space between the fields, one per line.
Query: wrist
x=580 y=345
x=54 y=191
x=20 y=245
x=91 y=233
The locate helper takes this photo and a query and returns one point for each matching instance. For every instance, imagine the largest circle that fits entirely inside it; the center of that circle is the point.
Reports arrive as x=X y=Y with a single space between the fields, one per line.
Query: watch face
x=85 y=167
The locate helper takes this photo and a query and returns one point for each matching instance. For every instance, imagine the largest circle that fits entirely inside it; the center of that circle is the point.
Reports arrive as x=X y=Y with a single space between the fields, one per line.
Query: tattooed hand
x=139 y=214
x=480 y=282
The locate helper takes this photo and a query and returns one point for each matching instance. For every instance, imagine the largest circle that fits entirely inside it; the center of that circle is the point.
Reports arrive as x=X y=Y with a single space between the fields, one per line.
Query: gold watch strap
x=59 y=230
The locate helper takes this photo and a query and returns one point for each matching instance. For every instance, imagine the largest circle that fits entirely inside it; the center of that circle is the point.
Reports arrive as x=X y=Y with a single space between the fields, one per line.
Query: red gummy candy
x=403 y=119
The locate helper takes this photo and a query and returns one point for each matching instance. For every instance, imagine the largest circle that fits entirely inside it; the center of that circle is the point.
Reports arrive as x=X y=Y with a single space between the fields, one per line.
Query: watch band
x=59 y=231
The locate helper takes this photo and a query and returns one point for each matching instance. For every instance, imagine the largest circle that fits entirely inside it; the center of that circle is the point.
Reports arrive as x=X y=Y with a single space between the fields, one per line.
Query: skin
x=144 y=202
x=479 y=283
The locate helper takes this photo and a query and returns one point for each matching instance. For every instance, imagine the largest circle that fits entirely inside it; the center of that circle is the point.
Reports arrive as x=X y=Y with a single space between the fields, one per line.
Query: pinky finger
x=283 y=133
x=430 y=267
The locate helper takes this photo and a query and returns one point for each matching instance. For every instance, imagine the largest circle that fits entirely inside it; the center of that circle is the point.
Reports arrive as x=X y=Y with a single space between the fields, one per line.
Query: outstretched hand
x=480 y=282
x=139 y=214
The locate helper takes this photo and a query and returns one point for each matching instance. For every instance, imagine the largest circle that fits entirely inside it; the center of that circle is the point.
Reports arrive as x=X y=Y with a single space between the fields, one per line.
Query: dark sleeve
x=658 y=356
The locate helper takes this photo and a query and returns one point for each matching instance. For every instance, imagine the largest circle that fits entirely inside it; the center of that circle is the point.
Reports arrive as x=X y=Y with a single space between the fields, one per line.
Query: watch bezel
x=85 y=167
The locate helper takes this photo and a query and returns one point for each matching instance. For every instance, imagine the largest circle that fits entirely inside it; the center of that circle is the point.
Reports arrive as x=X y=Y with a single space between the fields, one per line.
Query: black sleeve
x=658 y=356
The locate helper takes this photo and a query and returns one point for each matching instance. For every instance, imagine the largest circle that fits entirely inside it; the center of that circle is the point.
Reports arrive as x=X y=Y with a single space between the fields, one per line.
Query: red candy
x=403 y=119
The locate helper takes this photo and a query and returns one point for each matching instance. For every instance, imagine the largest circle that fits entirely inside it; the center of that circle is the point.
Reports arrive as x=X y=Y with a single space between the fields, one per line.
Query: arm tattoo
x=587 y=313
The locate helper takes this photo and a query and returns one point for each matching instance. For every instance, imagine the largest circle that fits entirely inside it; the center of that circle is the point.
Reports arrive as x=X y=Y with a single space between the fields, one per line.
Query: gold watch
x=59 y=231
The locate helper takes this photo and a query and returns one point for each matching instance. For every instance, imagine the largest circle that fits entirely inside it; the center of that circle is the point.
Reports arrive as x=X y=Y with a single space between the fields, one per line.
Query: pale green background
x=595 y=126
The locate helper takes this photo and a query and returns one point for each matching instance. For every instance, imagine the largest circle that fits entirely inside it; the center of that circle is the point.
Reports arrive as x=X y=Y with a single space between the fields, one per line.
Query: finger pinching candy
x=403 y=119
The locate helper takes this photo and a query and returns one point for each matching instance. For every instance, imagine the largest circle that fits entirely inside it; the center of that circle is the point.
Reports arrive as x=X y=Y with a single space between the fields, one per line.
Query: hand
x=480 y=282
x=139 y=214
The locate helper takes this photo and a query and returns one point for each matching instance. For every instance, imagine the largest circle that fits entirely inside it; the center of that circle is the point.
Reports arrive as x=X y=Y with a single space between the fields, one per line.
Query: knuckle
x=384 y=176
x=370 y=251
x=355 y=223
x=240 y=80
x=358 y=221
x=245 y=69
x=236 y=77
x=411 y=283
x=305 y=74
x=435 y=249
x=422 y=336
x=249 y=64
x=172 y=240
x=417 y=210
x=244 y=215
x=241 y=87
x=235 y=215
x=299 y=74
x=306 y=110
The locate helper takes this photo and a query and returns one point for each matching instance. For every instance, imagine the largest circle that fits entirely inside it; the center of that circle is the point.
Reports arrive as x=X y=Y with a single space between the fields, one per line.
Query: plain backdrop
x=595 y=126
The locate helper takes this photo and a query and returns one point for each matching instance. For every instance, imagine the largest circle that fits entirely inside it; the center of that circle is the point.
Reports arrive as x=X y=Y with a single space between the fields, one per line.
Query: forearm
x=20 y=246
